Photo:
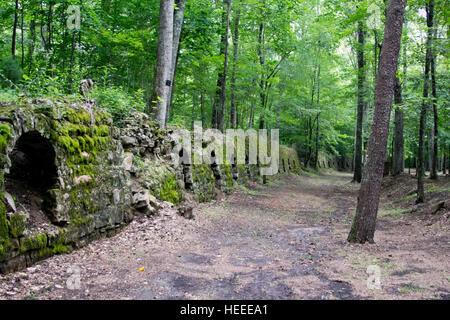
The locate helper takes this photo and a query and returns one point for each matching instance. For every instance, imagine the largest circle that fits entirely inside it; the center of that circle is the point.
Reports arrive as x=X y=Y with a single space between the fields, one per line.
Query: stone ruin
x=69 y=176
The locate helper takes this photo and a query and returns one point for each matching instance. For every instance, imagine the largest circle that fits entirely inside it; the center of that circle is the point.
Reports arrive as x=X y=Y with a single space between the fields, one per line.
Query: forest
x=363 y=83
x=308 y=68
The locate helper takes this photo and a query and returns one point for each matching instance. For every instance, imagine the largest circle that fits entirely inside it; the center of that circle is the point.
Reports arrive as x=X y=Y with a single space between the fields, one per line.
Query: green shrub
x=118 y=102
x=10 y=71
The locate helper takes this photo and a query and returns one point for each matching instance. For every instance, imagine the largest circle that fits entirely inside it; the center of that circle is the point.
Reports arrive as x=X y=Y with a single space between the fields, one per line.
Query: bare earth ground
x=285 y=240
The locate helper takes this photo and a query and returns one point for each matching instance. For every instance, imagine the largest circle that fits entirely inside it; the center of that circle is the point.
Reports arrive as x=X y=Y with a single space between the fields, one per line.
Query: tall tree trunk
x=218 y=115
x=444 y=163
x=161 y=91
x=262 y=82
x=316 y=153
x=22 y=34
x=360 y=108
x=31 y=44
x=233 y=107
x=364 y=223
x=13 y=43
x=202 y=106
x=434 y=151
x=252 y=107
x=72 y=56
x=177 y=27
x=316 y=159
x=423 y=112
x=398 y=148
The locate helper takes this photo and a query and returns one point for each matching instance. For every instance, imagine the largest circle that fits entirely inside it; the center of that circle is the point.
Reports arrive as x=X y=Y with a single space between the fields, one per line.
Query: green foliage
x=10 y=72
x=3 y=221
x=118 y=102
x=38 y=241
x=170 y=190
x=17 y=225
x=5 y=135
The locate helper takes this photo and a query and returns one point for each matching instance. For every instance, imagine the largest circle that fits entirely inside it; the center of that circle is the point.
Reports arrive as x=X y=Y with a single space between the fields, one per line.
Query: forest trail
x=283 y=240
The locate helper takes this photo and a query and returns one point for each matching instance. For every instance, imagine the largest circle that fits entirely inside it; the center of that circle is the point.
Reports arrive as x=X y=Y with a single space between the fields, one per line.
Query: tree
x=398 y=152
x=423 y=112
x=177 y=28
x=364 y=223
x=218 y=114
x=360 y=108
x=434 y=152
x=163 y=72
x=13 y=45
x=233 y=107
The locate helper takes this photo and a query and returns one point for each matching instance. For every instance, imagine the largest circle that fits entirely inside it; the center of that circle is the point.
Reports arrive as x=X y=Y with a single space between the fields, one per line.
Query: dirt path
x=285 y=240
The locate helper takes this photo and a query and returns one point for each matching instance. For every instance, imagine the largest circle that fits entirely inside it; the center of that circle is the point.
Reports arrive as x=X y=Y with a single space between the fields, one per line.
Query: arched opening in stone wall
x=32 y=174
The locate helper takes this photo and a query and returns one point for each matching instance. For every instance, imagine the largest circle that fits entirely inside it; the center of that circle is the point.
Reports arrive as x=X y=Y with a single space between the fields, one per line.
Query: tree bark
x=444 y=163
x=434 y=151
x=219 y=106
x=31 y=44
x=177 y=28
x=423 y=112
x=364 y=223
x=13 y=43
x=161 y=91
x=398 y=149
x=316 y=159
x=360 y=108
x=233 y=107
x=22 y=34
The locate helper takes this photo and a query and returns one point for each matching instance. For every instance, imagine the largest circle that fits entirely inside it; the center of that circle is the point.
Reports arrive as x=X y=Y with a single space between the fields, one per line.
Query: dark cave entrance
x=32 y=174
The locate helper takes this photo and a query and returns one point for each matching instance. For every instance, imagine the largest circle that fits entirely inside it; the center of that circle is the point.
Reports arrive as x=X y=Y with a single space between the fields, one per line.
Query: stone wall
x=86 y=193
x=68 y=176
x=328 y=161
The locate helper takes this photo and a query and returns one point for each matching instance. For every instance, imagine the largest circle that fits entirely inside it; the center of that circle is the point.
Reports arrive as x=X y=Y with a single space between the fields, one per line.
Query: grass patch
x=309 y=174
x=437 y=189
x=247 y=190
x=393 y=212
x=410 y=288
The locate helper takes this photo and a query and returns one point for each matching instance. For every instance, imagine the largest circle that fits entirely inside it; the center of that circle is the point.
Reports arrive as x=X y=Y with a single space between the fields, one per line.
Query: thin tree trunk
x=219 y=106
x=262 y=83
x=72 y=56
x=161 y=92
x=177 y=27
x=316 y=158
x=21 y=35
x=434 y=151
x=363 y=228
x=444 y=163
x=202 y=106
x=233 y=117
x=13 y=43
x=252 y=108
x=423 y=113
x=32 y=44
x=398 y=148
x=360 y=108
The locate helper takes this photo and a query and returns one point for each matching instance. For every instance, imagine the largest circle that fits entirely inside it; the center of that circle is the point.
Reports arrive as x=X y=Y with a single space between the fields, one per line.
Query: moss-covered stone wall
x=91 y=193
